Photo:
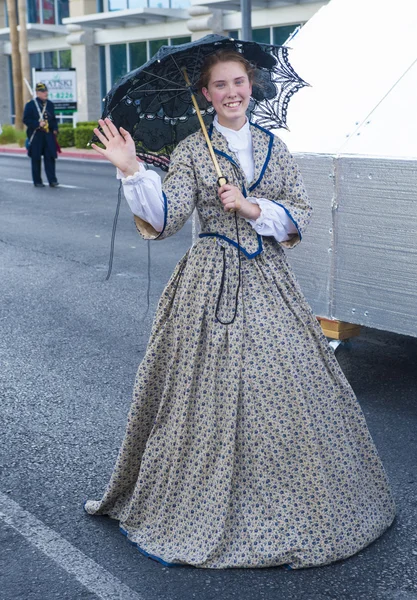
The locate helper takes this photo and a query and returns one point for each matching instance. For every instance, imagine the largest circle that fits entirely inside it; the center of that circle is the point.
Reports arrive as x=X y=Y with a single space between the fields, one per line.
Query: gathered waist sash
x=244 y=251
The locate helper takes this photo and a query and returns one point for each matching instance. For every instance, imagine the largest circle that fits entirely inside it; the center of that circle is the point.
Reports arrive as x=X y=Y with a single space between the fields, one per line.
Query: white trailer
x=354 y=134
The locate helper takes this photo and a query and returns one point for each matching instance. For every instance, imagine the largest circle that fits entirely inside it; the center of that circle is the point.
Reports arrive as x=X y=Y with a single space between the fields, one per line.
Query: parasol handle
x=222 y=180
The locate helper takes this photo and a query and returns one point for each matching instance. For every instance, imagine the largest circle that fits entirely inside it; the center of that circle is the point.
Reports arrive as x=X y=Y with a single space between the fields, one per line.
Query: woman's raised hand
x=119 y=147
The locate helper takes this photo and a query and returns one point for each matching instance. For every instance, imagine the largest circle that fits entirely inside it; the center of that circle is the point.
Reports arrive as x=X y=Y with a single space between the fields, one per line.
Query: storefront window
x=154 y=46
x=38 y=11
x=123 y=4
x=137 y=54
x=35 y=60
x=48 y=11
x=117 y=4
x=65 y=59
x=127 y=57
x=159 y=3
x=138 y=4
x=103 y=82
x=181 y=40
x=262 y=36
x=50 y=60
x=63 y=10
x=118 y=61
x=281 y=34
x=33 y=11
x=180 y=3
x=56 y=59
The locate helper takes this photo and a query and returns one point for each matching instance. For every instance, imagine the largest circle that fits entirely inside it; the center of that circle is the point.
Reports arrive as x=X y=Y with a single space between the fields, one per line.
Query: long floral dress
x=245 y=445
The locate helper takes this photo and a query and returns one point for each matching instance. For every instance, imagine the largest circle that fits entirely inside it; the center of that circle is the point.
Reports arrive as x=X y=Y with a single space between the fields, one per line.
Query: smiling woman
x=245 y=445
x=226 y=82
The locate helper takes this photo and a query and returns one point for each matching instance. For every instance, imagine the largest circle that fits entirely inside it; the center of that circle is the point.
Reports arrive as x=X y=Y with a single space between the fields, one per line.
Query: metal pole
x=245 y=9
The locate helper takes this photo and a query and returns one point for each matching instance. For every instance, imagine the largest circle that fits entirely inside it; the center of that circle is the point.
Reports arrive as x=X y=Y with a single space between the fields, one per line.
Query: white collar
x=236 y=140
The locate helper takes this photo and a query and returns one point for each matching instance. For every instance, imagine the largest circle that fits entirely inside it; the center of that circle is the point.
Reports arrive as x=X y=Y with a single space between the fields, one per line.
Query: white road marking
x=97 y=580
x=96 y=161
x=75 y=187
x=20 y=180
x=72 y=187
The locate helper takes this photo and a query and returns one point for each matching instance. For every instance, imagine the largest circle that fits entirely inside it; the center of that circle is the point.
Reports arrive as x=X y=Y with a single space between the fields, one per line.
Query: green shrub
x=82 y=135
x=20 y=137
x=8 y=135
x=65 y=126
x=66 y=136
x=90 y=124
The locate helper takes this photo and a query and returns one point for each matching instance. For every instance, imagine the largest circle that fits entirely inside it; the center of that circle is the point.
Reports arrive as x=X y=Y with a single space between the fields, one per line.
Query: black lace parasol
x=154 y=103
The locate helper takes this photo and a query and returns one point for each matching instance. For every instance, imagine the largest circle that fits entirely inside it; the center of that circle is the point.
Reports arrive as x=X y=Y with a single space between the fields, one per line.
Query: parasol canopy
x=154 y=102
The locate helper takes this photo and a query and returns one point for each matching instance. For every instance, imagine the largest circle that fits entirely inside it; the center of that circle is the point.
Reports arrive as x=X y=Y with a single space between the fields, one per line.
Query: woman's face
x=229 y=90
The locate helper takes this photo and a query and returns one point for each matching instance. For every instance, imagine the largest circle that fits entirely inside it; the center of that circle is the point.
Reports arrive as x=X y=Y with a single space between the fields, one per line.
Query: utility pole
x=245 y=9
x=16 y=65
x=23 y=47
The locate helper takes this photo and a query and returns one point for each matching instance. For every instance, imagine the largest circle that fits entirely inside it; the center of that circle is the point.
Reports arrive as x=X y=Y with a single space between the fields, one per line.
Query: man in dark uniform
x=42 y=127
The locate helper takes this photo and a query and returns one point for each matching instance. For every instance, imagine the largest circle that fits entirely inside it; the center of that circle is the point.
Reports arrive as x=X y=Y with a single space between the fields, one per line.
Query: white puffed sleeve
x=273 y=221
x=143 y=192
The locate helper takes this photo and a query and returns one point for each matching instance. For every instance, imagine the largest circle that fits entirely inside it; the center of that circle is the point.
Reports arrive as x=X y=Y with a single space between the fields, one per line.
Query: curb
x=63 y=154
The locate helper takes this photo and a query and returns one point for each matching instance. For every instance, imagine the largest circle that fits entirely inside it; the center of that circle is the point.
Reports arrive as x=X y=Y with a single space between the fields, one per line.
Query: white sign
x=61 y=84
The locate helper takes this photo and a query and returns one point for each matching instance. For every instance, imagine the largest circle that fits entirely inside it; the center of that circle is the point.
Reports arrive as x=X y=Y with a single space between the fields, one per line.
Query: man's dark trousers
x=49 y=169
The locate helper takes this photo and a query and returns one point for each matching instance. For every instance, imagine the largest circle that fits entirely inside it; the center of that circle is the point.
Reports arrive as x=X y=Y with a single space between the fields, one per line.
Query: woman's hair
x=219 y=57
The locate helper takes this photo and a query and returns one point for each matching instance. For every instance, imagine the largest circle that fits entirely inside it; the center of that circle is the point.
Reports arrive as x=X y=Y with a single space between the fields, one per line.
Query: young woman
x=245 y=445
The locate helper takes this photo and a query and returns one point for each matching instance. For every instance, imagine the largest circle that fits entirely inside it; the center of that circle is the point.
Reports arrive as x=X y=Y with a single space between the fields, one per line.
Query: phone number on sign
x=62 y=96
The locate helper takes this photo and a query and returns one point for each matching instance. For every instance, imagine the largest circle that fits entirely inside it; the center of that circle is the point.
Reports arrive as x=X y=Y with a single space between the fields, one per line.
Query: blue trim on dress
x=271 y=135
x=142 y=551
x=290 y=216
x=235 y=244
x=268 y=156
x=220 y=153
x=229 y=158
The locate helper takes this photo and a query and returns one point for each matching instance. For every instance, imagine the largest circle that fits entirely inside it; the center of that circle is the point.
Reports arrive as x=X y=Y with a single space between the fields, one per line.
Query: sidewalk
x=65 y=153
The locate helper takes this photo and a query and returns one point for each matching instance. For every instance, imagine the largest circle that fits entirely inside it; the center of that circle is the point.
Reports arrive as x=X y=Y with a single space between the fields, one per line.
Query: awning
x=128 y=18
x=235 y=4
x=36 y=30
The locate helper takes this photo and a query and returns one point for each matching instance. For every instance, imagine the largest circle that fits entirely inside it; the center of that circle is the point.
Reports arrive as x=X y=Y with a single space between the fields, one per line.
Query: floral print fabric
x=245 y=445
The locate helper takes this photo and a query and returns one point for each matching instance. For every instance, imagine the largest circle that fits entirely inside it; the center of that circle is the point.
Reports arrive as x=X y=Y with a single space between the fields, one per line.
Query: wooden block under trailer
x=338 y=330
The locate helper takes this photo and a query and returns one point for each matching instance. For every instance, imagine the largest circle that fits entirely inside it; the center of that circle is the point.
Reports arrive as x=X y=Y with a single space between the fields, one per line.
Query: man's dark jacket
x=42 y=142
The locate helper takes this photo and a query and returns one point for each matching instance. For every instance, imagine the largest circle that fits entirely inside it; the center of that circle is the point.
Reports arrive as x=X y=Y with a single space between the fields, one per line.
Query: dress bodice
x=192 y=183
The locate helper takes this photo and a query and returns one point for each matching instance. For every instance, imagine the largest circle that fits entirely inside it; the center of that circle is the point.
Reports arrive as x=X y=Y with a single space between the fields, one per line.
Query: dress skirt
x=245 y=445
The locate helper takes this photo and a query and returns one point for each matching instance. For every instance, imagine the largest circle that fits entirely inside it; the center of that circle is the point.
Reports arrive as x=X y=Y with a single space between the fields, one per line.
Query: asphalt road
x=70 y=343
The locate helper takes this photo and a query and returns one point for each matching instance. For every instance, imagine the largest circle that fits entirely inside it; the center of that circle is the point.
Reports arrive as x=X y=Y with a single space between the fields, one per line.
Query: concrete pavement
x=70 y=343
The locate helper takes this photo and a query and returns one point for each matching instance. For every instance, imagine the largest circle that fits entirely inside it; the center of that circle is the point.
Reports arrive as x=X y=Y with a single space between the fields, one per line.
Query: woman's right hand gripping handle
x=119 y=147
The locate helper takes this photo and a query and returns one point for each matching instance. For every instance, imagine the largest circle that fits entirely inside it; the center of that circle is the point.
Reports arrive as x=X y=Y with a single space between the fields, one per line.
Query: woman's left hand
x=233 y=200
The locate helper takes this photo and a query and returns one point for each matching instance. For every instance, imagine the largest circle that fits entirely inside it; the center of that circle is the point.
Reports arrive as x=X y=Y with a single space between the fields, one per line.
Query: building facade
x=104 y=39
